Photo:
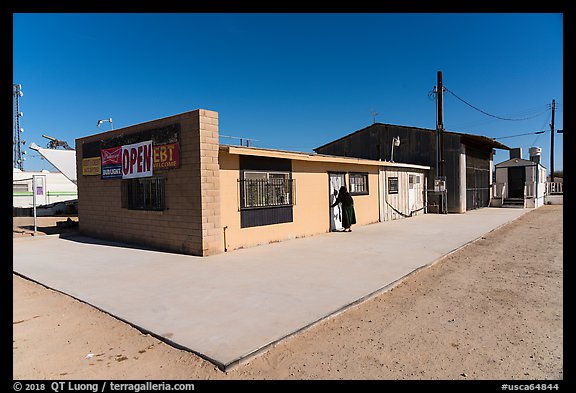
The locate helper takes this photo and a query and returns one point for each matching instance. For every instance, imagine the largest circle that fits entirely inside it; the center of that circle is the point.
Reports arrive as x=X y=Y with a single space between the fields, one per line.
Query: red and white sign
x=111 y=163
x=111 y=156
x=137 y=160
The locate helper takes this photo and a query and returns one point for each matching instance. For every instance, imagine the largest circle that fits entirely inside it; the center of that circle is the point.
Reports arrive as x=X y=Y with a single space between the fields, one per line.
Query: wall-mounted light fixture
x=109 y=120
x=395 y=142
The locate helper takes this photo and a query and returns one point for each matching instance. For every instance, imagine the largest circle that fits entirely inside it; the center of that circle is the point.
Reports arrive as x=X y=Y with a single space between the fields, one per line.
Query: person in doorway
x=348 y=214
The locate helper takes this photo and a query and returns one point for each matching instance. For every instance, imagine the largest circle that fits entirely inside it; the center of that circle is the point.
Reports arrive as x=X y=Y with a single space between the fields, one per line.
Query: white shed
x=402 y=191
x=520 y=182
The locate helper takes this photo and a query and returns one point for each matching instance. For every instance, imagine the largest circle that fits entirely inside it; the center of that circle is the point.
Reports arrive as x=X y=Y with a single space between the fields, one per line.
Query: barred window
x=358 y=183
x=265 y=189
x=144 y=193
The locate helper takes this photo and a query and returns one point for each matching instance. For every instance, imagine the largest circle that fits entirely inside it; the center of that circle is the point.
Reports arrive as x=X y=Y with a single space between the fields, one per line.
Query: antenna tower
x=17 y=158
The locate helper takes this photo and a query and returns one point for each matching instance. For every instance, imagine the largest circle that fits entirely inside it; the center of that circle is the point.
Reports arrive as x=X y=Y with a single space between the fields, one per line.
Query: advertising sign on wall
x=91 y=166
x=111 y=163
x=137 y=160
x=166 y=156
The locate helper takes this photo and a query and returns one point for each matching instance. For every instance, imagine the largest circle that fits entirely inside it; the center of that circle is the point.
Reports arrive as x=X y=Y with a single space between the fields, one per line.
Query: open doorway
x=336 y=180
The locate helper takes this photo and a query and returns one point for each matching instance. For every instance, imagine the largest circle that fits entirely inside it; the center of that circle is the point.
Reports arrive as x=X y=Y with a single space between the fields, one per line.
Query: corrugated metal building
x=468 y=159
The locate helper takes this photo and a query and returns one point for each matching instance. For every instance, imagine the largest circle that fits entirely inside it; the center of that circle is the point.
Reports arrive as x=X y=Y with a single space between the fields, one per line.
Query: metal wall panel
x=477 y=178
x=265 y=216
x=401 y=204
x=418 y=146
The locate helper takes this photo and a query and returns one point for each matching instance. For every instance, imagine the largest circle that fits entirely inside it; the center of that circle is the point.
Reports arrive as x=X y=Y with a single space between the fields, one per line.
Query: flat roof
x=302 y=156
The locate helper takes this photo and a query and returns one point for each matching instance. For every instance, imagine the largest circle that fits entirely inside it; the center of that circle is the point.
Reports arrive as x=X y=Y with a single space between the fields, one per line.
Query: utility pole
x=440 y=125
x=552 y=142
x=440 y=179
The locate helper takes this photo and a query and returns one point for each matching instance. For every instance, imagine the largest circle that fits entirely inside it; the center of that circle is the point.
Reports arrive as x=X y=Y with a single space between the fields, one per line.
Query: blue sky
x=290 y=81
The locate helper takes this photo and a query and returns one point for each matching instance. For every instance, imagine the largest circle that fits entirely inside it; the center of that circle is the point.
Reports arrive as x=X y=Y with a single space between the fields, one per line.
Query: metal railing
x=266 y=192
x=529 y=189
x=554 y=188
x=498 y=191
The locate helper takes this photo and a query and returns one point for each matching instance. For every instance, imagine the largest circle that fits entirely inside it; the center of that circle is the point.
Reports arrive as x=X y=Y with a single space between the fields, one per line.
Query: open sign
x=137 y=160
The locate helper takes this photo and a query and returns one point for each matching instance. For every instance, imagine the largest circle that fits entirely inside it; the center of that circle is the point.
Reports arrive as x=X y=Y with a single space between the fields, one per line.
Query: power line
x=546 y=120
x=488 y=121
x=494 y=116
x=527 y=133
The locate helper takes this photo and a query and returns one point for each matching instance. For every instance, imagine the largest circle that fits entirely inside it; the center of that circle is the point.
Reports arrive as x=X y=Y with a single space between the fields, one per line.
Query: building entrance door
x=336 y=180
x=516 y=181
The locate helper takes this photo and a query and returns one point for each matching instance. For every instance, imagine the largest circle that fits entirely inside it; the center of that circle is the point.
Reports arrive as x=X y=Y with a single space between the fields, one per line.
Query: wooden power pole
x=440 y=181
x=552 y=142
x=440 y=125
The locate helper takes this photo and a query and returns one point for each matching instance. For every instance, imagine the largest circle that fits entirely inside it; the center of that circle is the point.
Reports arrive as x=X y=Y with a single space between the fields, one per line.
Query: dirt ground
x=24 y=226
x=492 y=310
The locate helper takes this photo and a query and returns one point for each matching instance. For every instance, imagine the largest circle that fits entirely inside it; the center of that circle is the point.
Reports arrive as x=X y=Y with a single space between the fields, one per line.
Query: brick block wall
x=212 y=232
x=191 y=222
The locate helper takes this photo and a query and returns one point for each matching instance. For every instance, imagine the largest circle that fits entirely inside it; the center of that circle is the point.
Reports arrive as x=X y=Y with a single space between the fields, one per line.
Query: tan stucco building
x=169 y=184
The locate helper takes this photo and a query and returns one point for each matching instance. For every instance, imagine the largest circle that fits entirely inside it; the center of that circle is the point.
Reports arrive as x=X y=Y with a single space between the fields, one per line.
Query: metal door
x=336 y=180
x=516 y=181
x=477 y=179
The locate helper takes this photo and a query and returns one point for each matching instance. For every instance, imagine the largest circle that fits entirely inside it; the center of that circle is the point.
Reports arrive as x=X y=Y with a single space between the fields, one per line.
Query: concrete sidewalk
x=231 y=306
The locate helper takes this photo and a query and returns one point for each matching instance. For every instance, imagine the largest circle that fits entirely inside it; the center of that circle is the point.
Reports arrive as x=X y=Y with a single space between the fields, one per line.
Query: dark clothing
x=348 y=214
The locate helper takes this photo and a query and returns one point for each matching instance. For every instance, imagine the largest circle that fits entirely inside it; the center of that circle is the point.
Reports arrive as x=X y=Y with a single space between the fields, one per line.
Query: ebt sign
x=137 y=160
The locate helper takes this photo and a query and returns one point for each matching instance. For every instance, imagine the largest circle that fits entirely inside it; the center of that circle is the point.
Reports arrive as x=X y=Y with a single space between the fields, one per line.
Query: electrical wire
x=536 y=140
x=494 y=116
x=527 y=133
x=543 y=124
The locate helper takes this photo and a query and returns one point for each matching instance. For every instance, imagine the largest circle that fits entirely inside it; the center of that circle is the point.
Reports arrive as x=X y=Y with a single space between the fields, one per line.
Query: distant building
x=52 y=188
x=468 y=159
x=520 y=182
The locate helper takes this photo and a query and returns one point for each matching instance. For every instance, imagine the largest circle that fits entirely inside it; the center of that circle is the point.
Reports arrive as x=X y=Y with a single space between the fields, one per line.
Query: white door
x=412 y=190
x=416 y=192
x=336 y=180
